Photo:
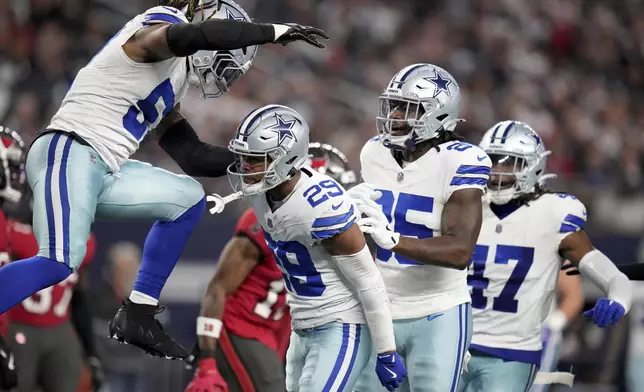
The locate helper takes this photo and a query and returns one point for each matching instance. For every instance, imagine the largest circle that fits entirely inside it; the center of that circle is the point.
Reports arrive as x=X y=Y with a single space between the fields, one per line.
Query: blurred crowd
x=573 y=69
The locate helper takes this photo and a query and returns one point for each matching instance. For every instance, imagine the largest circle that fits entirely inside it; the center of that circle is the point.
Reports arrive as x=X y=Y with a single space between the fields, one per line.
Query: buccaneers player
x=46 y=346
x=244 y=307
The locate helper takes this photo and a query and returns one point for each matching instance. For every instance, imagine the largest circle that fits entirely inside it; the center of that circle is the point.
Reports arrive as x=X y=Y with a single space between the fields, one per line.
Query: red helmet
x=13 y=177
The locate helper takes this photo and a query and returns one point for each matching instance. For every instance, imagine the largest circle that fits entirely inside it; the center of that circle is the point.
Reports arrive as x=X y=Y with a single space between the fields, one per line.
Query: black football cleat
x=135 y=324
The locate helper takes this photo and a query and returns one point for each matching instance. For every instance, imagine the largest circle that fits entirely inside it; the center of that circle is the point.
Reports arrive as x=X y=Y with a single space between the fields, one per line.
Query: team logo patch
x=499 y=228
x=401 y=177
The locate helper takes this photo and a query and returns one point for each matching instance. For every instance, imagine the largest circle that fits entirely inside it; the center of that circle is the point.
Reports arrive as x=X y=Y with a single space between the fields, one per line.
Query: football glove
x=606 y=312
x=207 y=378
x=376 y=224
x=8 y=374
x=390 y=370
x=364 y=191
x=291 y=32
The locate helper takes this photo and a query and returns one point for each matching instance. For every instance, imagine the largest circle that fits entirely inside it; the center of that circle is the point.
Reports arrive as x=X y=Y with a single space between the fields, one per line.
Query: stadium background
x=573 y=69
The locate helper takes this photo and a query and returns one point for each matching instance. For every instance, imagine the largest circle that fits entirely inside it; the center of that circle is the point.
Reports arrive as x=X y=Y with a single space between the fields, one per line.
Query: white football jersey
x=412 y=199
x=114 y=101
x=317 y=209
x=514 y=272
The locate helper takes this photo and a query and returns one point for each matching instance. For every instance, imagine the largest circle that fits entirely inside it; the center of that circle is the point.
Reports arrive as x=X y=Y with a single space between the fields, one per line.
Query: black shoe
x=135 y=324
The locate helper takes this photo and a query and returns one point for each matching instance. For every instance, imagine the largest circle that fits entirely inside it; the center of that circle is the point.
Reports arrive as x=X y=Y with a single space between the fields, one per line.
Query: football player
x=527 y=232
x=245 y=303
x=309 y=223
x=425 y=223
x=46 y=353
x=79 y=166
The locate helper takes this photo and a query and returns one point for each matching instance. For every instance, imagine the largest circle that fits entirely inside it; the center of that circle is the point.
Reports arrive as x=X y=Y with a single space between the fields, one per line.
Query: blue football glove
x=390 y=370
x=606 y=312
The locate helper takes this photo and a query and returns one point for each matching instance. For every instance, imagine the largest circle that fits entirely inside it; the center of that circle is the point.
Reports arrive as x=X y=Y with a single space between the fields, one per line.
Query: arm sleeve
x=469 y=168
x=195 y=157
x=185 y=39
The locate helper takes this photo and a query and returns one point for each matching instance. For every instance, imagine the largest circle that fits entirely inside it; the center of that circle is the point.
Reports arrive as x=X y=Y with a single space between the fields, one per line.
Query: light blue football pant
x=491 y=374
x=432 y=349
x=635 y=373
x=327 y=358
x=71 y=185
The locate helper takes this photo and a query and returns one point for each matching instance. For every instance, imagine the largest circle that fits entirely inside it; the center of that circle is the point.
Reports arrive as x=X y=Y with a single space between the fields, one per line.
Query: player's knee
x=194 y=201
x=76 y=256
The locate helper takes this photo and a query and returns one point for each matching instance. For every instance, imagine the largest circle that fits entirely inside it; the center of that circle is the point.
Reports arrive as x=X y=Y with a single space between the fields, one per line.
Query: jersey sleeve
x=570 y=215
x=249 y=227
x=337 y=216
x=22 y=241
x=469 y=167
x=163 y=14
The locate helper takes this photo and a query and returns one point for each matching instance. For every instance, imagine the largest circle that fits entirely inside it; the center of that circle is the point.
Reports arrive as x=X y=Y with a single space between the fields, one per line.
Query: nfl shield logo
x=401 y=176
x=269 y=222
x=499 y=228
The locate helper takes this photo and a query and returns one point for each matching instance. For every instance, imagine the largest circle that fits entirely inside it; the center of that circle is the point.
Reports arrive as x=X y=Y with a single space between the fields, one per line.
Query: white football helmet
x=276 y=135
x=518 y=160
x=420 y=102
x=215 y=71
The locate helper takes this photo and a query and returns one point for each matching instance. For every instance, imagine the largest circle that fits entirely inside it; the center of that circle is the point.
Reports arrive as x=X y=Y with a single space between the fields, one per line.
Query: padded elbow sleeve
x=185 y=39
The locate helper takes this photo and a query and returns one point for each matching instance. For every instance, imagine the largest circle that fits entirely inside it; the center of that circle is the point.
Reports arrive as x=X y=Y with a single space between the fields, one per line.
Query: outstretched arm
x=194 y=157
x=595 y=266
x=163 y=41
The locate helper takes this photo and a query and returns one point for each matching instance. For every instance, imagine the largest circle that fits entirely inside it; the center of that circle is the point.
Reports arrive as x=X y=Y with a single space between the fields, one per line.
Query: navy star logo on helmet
x=284 y=129
x=440 y=84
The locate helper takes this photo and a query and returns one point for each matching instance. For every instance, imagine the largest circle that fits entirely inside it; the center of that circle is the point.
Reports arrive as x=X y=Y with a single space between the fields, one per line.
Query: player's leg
x=26 y=343
x=66 y=177
x=368 y=380
x=335 y=356
x=436 y=349
x=487 y=373
x=255 y=366
x=552 y=341
x=61 y=365
x=295 y=356
x=142 y=191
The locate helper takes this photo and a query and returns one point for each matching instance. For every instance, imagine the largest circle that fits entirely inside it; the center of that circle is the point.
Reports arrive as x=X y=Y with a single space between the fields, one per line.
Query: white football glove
x=364 y=191
x=376 y=224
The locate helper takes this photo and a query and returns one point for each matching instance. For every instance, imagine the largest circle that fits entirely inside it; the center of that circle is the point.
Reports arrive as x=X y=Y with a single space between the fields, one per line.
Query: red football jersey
x=256 y=309
x=49 y=307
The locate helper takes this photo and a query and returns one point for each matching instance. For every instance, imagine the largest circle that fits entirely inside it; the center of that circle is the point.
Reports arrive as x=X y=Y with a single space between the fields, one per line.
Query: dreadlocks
x=539 y=190
x=192 y=5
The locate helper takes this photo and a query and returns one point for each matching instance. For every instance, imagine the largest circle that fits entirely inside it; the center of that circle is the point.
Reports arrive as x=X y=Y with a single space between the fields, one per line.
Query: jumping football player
x=79 y=166
x=425 y=223
x=309 y=223
x=527 y=232
x=244 y=317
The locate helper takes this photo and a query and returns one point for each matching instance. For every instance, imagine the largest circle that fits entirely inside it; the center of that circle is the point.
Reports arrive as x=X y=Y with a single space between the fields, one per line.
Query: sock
x=143 y=299
x=161 y=251
x=20 y=279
